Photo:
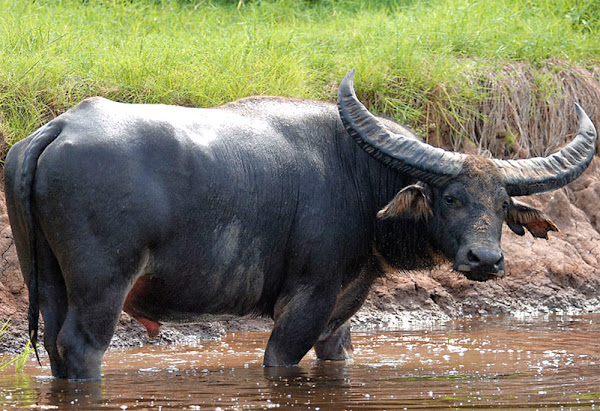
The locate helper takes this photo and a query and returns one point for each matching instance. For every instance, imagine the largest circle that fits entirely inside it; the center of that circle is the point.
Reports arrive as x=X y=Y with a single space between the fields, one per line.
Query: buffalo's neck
x=404 y=244
x=401 y=243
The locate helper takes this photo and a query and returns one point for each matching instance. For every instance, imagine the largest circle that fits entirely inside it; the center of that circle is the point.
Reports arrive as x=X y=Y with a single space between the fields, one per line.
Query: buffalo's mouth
x=480 y=263
x=478 y=275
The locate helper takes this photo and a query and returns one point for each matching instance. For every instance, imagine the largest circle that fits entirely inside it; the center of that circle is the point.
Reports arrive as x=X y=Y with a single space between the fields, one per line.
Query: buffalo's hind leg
x=98 y=287
x=53 y=304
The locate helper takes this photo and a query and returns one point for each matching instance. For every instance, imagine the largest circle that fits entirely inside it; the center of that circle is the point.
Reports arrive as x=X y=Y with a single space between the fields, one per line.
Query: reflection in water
x=479 y=363
x=64 y=393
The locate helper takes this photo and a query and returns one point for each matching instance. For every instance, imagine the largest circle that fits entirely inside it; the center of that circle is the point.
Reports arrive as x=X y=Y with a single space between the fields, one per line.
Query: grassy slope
x=53 y=53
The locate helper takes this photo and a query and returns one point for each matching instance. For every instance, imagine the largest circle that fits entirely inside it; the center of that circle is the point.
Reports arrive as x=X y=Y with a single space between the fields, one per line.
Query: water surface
x=494 y=362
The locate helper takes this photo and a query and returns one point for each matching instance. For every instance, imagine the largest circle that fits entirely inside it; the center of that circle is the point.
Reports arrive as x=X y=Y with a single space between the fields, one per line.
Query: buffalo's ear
x=523 y=215
x=412 y=201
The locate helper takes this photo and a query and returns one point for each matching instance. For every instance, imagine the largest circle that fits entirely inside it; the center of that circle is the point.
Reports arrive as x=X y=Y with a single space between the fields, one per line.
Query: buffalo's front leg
x=300 y=318
x=337 y=346
x=335 y=343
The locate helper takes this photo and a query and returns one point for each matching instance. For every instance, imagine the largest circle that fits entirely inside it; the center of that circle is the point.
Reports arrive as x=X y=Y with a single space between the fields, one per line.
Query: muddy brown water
x=484 y=363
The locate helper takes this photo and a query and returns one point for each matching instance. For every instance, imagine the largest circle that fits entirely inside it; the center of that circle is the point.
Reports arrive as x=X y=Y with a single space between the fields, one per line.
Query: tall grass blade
x=19 y=360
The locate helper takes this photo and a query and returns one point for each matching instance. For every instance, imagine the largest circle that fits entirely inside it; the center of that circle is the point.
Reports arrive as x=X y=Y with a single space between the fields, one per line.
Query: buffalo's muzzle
x=481 y=263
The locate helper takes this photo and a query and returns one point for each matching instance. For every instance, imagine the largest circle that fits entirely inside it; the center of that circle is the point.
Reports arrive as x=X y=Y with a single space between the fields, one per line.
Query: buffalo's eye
x=448 y=199
x=505 y=205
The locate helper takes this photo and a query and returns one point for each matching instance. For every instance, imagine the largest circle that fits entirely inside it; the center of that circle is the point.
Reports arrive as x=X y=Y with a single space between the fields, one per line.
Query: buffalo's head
x=463 y=198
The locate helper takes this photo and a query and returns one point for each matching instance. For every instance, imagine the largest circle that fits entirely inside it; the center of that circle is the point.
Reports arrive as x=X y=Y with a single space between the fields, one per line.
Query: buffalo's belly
x=195 y=299
x=221 y=268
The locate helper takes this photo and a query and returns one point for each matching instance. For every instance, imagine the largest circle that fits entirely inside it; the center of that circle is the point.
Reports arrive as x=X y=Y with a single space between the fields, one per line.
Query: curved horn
x=407 y=154
x=536 y=175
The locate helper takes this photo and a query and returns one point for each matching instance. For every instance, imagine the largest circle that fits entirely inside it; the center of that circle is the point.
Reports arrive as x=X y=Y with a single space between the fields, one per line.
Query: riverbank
x=495 y=78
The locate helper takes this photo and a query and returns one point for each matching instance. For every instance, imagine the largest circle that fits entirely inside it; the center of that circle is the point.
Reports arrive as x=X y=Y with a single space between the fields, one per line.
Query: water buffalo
x=264 y=206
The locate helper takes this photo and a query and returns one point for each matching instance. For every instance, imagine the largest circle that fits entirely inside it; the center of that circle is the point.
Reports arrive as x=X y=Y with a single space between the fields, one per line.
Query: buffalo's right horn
x=422 y=161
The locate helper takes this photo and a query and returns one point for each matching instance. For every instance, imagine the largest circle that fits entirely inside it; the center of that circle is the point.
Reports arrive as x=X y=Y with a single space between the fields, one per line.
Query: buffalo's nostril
x=472 y=257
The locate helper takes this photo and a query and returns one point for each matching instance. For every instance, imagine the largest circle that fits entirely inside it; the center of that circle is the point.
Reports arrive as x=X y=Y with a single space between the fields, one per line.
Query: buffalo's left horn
x=435 y=165
x=422 y=161
x=536 y=175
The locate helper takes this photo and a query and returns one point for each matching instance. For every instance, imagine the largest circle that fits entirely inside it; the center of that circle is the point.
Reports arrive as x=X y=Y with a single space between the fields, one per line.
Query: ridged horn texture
x=539 y=174
x=436 y=166
x=406 y=154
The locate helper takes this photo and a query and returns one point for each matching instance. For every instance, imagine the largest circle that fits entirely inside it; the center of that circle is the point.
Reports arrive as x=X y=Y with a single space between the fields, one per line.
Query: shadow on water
x=494 y=363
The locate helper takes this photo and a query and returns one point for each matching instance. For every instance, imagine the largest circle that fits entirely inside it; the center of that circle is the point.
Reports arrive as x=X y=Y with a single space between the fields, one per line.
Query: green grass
x=409 y=55
x=19 y=360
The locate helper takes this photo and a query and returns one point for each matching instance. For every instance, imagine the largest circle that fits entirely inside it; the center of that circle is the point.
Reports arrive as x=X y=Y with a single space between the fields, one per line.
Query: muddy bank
x=559 y=275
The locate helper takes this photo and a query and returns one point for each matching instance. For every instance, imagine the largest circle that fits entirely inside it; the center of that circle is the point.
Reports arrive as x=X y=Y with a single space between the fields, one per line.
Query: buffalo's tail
x=41 y=139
